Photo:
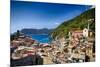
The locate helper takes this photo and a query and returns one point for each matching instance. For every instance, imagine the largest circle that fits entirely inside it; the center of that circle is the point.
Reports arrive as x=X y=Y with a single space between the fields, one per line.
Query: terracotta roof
x=78 y=31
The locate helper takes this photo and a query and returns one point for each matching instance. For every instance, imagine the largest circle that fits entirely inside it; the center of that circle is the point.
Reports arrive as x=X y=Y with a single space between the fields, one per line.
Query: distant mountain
x=36 y=31
x=79 y=22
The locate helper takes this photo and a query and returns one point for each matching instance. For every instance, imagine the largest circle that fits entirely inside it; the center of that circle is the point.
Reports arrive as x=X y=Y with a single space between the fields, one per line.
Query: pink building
x=76 y=33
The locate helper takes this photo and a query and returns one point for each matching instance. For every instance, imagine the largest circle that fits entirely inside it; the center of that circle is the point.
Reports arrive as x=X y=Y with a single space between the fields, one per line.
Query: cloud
x=57 y=23
x=93 y=6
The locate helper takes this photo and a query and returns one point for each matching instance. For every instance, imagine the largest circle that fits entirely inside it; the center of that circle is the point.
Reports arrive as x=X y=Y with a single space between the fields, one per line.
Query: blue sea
x=42 y=38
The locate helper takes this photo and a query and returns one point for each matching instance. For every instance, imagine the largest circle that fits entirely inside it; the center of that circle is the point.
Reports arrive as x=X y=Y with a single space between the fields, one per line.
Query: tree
x=17 y=33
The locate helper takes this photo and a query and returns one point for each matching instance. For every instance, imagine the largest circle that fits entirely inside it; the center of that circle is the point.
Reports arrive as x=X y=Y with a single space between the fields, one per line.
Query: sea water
x=42 y=38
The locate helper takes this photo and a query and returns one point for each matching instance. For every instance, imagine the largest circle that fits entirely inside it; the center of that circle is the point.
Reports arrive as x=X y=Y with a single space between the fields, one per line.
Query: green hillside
x=80 y=22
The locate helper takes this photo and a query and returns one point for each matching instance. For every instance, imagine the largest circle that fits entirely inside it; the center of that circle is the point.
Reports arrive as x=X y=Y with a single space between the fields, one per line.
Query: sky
x=42 y=15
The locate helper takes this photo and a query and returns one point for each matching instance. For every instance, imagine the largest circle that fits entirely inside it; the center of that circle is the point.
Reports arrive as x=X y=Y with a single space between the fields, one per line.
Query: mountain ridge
x=80 y=22
x=36 y=31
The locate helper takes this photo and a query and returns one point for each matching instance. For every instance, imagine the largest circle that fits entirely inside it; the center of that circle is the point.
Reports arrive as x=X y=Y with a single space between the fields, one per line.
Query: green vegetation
x=79 y=22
